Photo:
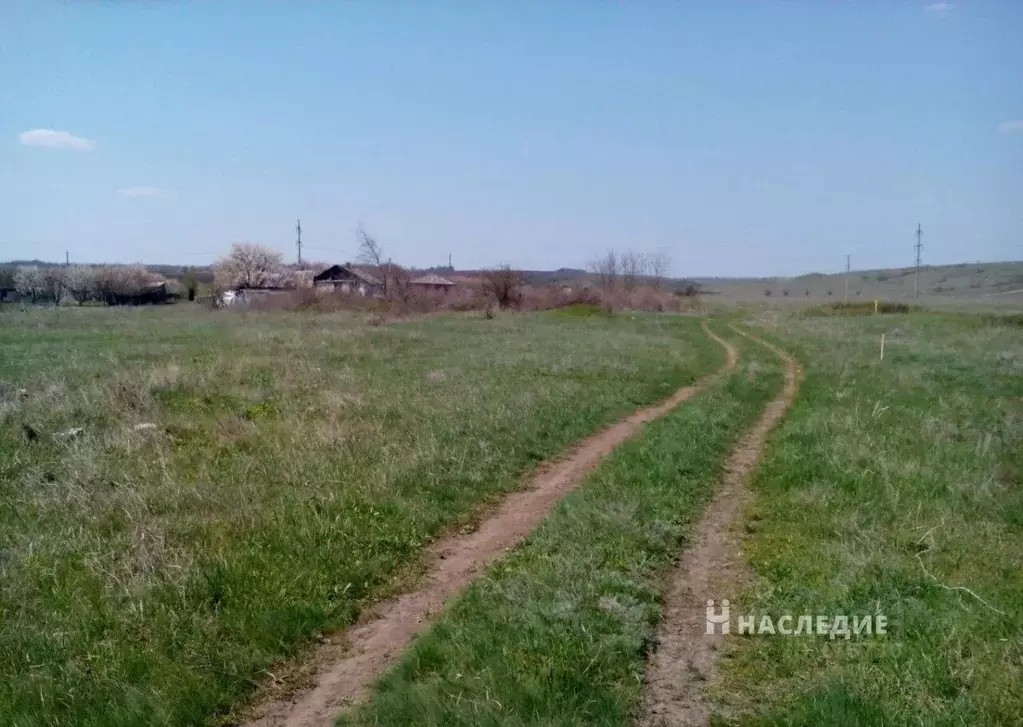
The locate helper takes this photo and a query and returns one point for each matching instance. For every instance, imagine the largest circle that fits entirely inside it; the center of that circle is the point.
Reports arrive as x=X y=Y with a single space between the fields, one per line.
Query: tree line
x=110 y=284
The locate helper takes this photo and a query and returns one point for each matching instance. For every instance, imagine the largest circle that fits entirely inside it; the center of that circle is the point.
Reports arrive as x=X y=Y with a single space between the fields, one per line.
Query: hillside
x=988 y=281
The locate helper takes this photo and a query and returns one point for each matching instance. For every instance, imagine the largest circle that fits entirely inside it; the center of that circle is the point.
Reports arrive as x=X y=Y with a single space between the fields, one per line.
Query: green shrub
x=844 y=308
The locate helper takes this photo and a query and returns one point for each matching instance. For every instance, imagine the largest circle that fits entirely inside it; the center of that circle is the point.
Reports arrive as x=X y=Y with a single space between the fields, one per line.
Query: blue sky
x=744 y=138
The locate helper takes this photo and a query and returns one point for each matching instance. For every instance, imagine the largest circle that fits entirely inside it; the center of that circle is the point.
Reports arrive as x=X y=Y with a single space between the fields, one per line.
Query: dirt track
x=684 y=664
x=345 y=669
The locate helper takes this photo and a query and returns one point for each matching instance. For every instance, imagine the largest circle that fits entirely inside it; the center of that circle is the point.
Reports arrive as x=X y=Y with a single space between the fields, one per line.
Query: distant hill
x=975 y=281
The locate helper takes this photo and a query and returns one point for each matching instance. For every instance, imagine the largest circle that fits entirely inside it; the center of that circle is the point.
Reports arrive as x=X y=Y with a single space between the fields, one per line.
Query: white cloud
x=146 y=191
x=52 y=139
x=939 y=9
x=1007 y=127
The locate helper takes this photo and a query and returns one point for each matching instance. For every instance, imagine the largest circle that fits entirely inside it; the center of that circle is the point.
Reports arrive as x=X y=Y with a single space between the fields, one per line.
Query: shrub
x=504 y=285
x=839 y=308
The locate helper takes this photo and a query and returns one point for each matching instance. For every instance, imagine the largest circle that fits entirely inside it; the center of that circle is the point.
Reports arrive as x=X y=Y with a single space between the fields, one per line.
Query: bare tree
x=397 y=281
x=108 y=283
x=250 y=266
x=605 y=270
x=503 y=285
x=28 y=281
x=632 y=266
x=371 y=254
x=658 y=264
x=80 y=283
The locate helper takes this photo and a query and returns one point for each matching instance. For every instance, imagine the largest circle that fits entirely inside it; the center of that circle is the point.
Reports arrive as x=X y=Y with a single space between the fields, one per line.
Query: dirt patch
x=683 y=665
x=347 y=666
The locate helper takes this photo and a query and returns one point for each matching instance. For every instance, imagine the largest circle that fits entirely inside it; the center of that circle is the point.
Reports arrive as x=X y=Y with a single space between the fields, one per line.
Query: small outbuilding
x=431 y=283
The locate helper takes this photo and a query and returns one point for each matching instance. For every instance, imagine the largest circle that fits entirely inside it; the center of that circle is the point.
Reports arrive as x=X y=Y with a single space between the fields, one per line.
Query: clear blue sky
x=746 y=138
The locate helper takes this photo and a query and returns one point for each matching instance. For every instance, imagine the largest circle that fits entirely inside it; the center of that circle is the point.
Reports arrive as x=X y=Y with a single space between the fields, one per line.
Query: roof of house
x=430 y=279
x=352 y=270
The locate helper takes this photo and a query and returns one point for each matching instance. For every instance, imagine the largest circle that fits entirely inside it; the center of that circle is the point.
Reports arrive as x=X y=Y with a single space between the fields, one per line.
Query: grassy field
x=892 y=487
x=558 y=631
x=242 y=482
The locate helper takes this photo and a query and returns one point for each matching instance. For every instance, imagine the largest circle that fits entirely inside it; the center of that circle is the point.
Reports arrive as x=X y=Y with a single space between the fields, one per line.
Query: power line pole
x=67 y=258
x=847 y=278
x=919 y=246
x=298 y=241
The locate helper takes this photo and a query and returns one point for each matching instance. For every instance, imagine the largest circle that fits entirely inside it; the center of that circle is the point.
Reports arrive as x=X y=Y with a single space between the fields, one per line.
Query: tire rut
x=683 y=666
x=347 y=667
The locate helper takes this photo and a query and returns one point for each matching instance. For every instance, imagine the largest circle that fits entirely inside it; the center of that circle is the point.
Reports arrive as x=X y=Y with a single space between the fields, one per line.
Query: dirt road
x=347 y=667
x=683 y=666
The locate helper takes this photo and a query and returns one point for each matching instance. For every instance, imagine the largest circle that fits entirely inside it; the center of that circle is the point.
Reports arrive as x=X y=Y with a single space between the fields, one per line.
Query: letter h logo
x=718 y=618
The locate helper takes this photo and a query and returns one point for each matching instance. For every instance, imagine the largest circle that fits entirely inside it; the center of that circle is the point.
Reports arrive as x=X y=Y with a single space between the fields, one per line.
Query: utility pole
x=449 y=262
x=919 y=246
x=847 y=278
x=67 y=258
x=298 y=241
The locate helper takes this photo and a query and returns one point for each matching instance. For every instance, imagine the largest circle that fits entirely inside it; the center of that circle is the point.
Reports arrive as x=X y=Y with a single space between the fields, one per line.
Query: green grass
x=865 y=308
x=557 y=632
x=298 y=465
x=581 y=310
x=888 y=480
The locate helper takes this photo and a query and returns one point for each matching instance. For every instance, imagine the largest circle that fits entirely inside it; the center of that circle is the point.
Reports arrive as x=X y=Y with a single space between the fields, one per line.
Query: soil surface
x=683 y=666
x=347 y=665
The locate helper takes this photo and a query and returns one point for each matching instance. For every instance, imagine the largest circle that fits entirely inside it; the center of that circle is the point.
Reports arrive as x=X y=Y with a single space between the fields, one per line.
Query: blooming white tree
x=250 y=266
x=28 y=281
x=80 y=283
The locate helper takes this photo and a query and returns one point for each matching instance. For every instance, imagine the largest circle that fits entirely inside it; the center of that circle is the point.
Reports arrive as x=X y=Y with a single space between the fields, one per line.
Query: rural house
x=348 y=278
x=431 y=283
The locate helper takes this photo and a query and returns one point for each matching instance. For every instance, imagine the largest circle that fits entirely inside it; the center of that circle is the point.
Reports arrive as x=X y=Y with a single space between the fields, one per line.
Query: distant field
x=894 y=487
x=288 y=469
x=998 y=284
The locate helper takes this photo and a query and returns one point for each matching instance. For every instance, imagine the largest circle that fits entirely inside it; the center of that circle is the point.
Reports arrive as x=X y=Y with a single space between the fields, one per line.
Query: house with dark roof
x=348 y=278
